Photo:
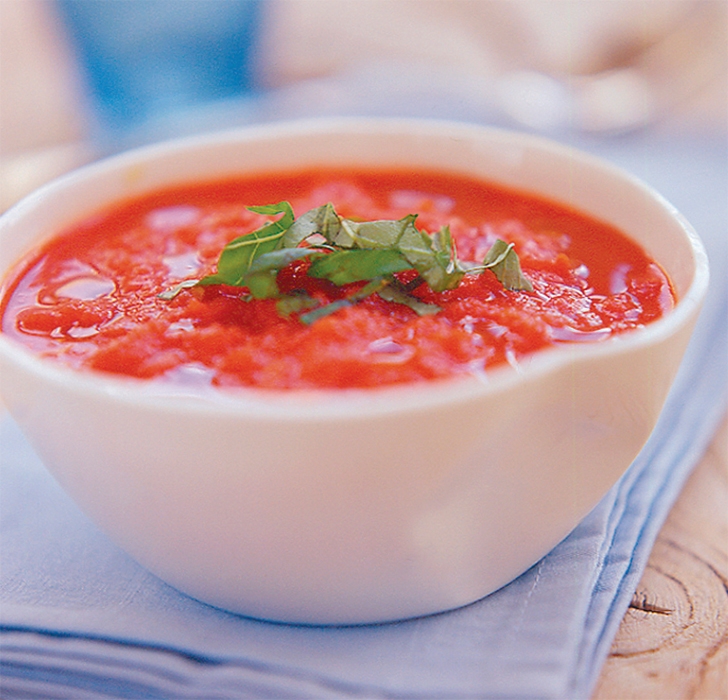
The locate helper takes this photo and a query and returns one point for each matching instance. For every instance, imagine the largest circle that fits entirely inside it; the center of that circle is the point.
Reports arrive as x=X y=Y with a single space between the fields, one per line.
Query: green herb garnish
x=344 y=251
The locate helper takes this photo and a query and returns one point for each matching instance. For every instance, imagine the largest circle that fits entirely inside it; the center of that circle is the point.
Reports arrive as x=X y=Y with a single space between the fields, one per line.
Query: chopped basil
x=399 y=294
x=323 y=221
x=295 y=303
x=374 y=286
x=344 y=251
x=357 y=265
x=238 y=255
x=174 y=291
x=503 y=261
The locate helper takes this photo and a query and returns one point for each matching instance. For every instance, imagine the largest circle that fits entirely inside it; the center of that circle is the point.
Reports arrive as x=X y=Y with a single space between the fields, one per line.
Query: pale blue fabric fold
x=80 y=619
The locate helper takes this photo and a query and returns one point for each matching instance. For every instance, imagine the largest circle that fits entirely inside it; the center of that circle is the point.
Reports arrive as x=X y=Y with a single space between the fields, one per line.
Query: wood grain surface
x=673 y=641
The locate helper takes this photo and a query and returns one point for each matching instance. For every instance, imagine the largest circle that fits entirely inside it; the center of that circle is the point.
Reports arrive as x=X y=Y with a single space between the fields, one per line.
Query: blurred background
x=83 y=78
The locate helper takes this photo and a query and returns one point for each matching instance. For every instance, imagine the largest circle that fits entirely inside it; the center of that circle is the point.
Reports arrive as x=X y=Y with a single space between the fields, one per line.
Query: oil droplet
x=179 y=327
x=190 y=374
x=81 y=332
x=567 y=334
x=171 y=218
x=85 y=288
x=181 y=266
x=618 y=278
x=582 y=271
x=419 y=201
x=385 y=345
x=387 y=351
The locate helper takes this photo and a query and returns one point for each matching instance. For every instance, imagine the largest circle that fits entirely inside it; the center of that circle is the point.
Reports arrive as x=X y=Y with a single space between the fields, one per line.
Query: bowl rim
x=336 y=404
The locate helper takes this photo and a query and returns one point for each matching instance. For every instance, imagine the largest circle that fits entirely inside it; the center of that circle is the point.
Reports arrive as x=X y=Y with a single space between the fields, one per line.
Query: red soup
x=106 y=294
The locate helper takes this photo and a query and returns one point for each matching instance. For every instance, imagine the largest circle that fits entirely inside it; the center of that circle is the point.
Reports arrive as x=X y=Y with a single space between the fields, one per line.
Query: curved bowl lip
x=335 y=404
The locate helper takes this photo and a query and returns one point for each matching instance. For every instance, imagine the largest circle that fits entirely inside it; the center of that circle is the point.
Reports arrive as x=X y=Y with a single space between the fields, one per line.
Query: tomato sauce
x=90 y=296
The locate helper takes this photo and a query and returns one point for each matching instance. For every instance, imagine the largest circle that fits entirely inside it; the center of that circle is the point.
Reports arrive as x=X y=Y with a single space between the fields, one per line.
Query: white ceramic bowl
x=425 y=498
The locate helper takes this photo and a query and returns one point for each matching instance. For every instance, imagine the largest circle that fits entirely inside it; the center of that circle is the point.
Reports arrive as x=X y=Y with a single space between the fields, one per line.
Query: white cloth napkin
x=80 y=619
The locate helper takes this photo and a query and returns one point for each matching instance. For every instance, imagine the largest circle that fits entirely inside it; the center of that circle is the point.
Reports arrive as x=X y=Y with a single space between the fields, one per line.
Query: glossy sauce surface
x=89 y=297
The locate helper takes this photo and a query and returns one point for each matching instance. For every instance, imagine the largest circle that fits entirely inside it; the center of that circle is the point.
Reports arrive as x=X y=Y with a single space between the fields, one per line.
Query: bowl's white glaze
x=351 y=507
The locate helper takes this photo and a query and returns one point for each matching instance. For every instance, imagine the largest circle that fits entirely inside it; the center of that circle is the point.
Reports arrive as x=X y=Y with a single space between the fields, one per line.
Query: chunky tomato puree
x=90 y=297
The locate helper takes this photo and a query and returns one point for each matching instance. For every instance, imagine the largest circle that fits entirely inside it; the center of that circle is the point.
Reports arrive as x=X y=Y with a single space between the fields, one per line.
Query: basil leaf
x=263 y=271
x=397 y=294
x=444 y=247
x=432 y=258
x=262 y=285
x=356 y=265
x=503 y=261
x=377 y=234
x=310 y=317
x=322 y=220
x=361 y=251
x=170 y=294
x=238 y=255
x=278 y=259
x=293 y=303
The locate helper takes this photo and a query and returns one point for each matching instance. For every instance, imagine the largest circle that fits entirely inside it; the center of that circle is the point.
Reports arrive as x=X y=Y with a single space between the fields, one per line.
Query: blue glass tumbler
x=153 y=62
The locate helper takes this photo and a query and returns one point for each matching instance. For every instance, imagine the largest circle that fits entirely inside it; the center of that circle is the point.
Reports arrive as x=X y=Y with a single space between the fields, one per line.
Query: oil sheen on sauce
x=89 y=297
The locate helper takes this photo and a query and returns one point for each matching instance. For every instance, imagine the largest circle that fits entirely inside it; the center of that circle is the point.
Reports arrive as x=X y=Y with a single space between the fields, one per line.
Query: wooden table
x=673 y=641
